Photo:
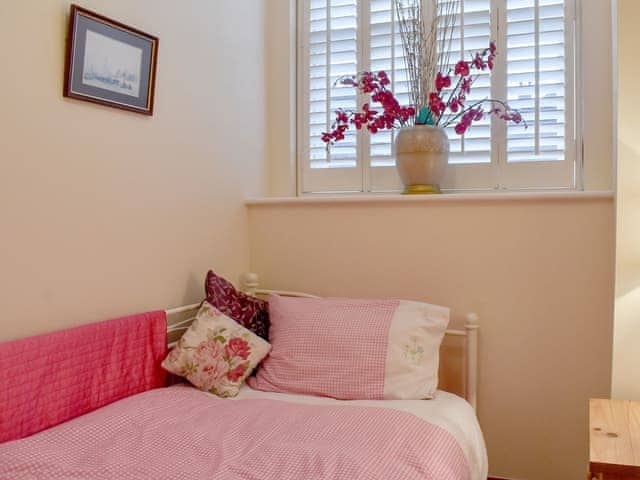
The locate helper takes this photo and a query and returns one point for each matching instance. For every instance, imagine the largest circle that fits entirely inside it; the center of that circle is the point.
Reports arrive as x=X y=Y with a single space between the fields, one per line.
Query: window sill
x=325 y=199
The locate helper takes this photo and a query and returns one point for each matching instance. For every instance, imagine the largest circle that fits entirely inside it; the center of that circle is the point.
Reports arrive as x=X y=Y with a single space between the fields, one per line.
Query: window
x=534 y=72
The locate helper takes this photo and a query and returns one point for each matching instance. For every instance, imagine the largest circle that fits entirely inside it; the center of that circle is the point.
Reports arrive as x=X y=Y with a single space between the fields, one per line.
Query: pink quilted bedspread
x=49 y=379
x=180 y=433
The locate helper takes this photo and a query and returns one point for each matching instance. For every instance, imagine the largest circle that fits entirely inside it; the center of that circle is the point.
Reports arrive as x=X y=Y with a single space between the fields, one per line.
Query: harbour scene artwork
x=111 y=65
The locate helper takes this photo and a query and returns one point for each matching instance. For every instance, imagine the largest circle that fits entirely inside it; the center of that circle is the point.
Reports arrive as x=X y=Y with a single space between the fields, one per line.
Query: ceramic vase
x=422 y=155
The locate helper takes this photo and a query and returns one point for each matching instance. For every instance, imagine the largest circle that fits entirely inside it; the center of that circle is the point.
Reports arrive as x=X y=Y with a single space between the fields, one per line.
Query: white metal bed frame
x=250 y=284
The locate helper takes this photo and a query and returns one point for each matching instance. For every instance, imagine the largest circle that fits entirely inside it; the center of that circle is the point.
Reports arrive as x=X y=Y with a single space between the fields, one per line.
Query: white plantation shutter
x=472 y=34
x=332 y=53
x=538 y=79
x=472 y=159
x=385 y=53
x=534 y=73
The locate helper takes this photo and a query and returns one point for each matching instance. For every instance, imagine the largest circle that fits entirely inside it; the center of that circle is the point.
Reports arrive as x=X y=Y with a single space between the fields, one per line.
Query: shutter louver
x=536 y=83
x=472 y=34
x=332 y=54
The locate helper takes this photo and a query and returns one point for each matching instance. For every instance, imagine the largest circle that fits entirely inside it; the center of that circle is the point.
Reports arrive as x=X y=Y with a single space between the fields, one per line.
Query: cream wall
x=597 y=84
x=626 y=358
x=539 y=274
x=103 y=212
x=280 y=56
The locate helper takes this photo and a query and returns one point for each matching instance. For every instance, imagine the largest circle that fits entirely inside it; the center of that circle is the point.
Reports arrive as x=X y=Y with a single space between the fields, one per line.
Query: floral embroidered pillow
x=216 y=354
x=250 y=312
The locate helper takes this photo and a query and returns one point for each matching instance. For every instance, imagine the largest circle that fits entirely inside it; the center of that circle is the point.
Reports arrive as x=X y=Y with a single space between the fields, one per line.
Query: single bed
x=180 y=432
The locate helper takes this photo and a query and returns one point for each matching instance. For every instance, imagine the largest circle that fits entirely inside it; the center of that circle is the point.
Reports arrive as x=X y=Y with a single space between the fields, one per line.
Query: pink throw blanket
x=52 y=378
x=180 y=433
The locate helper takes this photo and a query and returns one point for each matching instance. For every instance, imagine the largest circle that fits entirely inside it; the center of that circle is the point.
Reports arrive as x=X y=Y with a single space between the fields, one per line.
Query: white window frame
x=496 y=175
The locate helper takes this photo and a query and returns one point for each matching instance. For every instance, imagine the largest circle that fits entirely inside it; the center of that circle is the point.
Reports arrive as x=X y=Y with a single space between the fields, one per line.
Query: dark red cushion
x=250 y=312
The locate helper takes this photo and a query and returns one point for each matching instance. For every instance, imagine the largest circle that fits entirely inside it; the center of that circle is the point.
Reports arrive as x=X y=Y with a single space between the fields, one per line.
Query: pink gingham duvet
x=179 y=433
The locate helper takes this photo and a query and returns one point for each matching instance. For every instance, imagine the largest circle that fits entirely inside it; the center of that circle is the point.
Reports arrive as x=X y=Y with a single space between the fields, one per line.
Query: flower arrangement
x=437 y=91
x=392 y=116
x=447 y=102
x=455 y=110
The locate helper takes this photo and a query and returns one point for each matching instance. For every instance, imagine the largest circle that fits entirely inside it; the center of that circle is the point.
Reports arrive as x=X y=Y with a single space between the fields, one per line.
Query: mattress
x=446 y=410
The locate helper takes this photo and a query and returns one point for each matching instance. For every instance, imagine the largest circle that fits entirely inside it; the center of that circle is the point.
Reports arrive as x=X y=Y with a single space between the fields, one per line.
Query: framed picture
x=110 y=63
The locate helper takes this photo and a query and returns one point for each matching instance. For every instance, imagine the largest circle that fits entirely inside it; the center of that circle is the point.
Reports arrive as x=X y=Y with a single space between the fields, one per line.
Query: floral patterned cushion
x=250 y=312
x=216 y=354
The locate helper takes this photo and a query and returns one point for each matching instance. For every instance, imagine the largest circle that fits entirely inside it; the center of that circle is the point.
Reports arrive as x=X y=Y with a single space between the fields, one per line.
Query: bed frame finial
x=249 y=283
x=473 y=321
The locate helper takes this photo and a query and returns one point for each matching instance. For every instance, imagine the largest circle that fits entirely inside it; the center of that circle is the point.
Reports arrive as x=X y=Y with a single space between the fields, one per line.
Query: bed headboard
x=460 y=377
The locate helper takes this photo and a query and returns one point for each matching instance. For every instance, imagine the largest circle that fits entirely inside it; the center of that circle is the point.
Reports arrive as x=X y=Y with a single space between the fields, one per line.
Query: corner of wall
x=281 y=85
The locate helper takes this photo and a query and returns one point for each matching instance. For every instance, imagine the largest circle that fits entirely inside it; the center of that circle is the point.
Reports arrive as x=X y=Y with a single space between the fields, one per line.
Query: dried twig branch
x=426 y=28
